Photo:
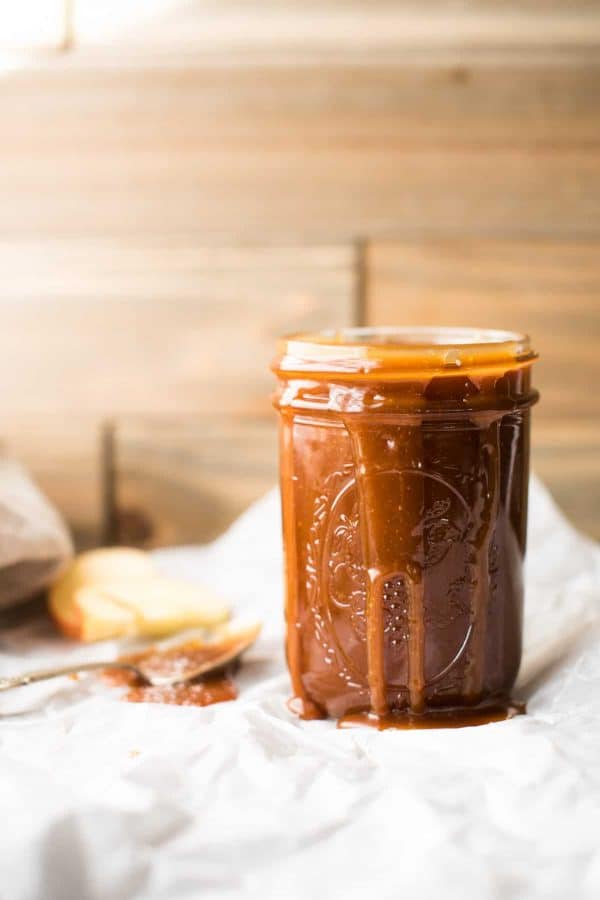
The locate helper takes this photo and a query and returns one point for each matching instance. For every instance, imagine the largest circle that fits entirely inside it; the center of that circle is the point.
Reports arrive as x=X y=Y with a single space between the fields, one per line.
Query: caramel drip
x=375 y=649
x=416 y=644
x=486 y=509
x=494 y=710
x=300 y=703
x=383 y=488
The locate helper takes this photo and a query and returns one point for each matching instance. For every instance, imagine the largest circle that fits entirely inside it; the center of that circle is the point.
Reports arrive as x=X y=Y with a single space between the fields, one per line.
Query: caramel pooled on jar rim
x=404 y=473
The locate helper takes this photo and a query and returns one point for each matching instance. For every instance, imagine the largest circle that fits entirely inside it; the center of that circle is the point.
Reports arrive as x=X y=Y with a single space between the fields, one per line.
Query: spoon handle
x=45 y=674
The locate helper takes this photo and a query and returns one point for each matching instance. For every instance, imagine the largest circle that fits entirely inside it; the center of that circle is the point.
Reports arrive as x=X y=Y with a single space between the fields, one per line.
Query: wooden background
x=176 y=193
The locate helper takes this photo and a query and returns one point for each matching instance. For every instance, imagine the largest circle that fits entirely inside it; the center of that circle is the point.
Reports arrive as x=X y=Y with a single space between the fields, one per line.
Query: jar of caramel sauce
x=404 y=460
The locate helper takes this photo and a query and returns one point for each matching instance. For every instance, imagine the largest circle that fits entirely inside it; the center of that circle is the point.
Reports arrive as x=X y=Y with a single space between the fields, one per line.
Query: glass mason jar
x=404 y=474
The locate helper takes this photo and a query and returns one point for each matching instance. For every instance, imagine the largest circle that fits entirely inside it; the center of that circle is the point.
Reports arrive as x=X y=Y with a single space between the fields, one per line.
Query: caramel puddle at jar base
x=404 y=476
x=457 y=717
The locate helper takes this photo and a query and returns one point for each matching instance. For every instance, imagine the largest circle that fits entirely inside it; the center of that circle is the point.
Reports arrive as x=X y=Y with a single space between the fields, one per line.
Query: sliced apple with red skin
x=117 y=592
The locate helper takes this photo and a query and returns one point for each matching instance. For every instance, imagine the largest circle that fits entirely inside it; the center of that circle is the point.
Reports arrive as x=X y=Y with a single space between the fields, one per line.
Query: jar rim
x=398 y=351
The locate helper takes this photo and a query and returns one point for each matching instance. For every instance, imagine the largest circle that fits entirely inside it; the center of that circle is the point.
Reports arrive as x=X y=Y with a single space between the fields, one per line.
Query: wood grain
x=338 y=29
x=185 y=481
x=118 y=326
x=319 y=154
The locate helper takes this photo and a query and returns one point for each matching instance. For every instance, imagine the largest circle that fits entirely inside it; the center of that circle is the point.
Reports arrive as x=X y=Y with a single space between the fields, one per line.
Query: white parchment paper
x=108 y=800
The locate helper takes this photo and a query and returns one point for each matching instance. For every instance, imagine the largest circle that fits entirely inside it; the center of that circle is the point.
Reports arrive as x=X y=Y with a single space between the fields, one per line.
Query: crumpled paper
x=107 y=800
x=34 y=540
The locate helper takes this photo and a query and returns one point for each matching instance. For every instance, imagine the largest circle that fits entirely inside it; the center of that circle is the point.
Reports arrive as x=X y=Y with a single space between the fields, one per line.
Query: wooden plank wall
x=111 y=329
x=181 y=481
x=192 y=184
x=281 y=154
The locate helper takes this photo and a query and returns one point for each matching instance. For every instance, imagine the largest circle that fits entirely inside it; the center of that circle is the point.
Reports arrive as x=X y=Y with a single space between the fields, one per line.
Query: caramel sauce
x=176 y=660
x=404 y=473
x=462 y=717
x=205 y=693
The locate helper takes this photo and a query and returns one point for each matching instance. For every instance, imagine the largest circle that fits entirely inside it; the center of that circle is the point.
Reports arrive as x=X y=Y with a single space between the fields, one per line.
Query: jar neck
x=458 y=395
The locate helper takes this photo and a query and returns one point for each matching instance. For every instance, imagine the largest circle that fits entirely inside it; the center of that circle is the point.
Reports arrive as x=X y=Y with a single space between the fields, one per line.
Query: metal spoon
x=244 y=640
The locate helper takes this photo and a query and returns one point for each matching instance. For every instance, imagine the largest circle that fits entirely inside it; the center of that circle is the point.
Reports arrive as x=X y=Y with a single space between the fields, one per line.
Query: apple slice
x=94 y=567
x=117 y=592
x=98 y=615
x=163 y=605
x=107 y=563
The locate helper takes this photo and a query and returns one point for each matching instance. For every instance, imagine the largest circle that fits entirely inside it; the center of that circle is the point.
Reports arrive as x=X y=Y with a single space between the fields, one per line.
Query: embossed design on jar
x=346 y=577
x=395 y=610
x=337 y=580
